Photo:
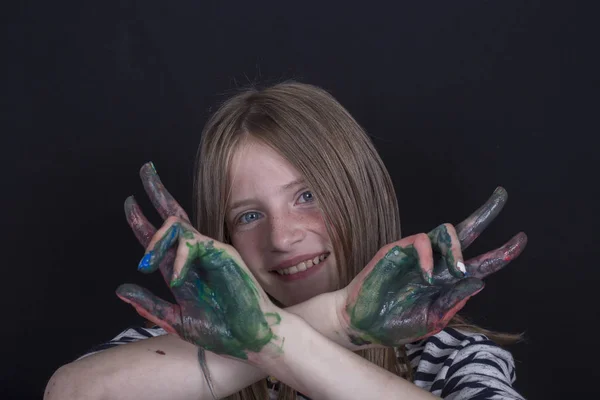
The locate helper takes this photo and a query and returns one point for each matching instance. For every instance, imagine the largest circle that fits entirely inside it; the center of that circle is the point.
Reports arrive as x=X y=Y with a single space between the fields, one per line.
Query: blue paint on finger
x=146 y=263
x=173 y=235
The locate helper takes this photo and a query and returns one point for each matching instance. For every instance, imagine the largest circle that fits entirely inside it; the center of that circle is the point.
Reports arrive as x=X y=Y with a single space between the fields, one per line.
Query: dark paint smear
x=395 y=304
x=234 y=324
x=218 y=298
x=160 y=352
x=358 y=341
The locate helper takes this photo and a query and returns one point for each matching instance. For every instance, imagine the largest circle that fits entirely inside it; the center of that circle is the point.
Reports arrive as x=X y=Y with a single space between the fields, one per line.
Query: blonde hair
x=340 y=164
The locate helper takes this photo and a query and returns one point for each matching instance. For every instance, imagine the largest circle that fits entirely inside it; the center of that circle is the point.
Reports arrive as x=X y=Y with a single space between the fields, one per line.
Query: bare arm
x=321 y=369
x=136 y=370
x=308 y=361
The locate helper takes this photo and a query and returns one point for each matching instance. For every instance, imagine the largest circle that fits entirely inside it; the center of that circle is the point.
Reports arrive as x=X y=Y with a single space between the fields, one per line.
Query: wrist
x=320 y=313
x=315 y=366
x=283 y=330
x=342 y=330
x=346 y=334
x=290 y=359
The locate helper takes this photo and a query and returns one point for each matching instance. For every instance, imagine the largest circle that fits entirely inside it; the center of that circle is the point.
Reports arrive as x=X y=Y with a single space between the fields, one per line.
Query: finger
x=190 y=250
x=444 y=240
x=419 y=246
x=493 y=261
x=451 y=300
x=155 y=309
x=159 y=246
x=471 y=228
x=141 y=227
x=165 y=204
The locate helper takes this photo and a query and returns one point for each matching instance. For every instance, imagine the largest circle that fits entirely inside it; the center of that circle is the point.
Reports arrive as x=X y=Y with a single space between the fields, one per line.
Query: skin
x=212 y=288
x=390 y=331
x=396 y=304
x=409 y=290
x=467 y=231
x=277 y=223
x=219 y=307
x=407 y=293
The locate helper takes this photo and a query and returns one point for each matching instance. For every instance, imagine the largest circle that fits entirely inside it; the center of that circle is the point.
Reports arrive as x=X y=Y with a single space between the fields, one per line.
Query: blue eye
x=248 y=217
x=307 y=196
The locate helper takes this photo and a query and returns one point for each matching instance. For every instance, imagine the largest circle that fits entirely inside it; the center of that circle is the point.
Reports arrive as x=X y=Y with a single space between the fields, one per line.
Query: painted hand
x=413 y=287
x=220 y=306
x=485 y=264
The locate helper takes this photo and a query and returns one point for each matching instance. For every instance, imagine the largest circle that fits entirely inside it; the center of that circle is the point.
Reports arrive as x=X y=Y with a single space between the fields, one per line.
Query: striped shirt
x=453 y=364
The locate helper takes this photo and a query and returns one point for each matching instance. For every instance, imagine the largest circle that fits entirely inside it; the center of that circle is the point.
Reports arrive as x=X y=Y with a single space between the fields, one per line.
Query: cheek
x=247 y=245
x=317 y=224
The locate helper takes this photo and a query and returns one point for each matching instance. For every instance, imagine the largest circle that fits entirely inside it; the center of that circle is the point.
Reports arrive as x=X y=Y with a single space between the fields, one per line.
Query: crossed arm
x=317 y=333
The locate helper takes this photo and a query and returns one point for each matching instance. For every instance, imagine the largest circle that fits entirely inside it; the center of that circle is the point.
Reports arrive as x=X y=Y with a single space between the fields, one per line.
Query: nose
x=286 y=230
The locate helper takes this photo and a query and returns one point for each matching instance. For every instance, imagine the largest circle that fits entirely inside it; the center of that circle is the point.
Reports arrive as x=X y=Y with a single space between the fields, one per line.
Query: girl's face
x=276 y=226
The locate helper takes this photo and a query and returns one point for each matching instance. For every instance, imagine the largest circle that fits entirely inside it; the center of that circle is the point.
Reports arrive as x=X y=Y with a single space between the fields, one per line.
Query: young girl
x=295 y=280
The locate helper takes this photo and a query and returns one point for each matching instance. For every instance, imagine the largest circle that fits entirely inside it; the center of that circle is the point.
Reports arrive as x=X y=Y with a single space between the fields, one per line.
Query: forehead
x=258 y=168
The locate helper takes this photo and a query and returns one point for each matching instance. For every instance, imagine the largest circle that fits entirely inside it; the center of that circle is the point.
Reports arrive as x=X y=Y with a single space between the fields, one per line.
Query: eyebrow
x=283 y=188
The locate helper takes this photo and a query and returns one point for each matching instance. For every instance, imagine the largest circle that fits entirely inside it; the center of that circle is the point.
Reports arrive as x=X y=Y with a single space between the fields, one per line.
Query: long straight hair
x=340 y=164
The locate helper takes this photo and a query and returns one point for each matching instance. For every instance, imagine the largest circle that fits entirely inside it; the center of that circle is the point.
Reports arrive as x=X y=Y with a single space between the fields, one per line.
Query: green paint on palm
x=219 y=300
x=386 y=297
x=188 y=235
x=227 y=302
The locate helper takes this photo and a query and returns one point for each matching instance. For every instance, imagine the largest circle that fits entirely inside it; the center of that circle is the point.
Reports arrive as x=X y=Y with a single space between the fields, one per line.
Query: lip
x=302 y=274
x=297 y=260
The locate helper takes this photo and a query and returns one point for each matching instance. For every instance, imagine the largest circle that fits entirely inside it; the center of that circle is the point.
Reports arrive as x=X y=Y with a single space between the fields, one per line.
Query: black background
x=459 y=97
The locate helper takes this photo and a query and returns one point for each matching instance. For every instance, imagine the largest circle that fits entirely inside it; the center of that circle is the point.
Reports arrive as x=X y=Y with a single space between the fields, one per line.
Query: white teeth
x=303 y=266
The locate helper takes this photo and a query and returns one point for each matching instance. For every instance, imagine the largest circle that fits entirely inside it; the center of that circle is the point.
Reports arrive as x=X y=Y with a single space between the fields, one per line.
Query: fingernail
x=129 y=204
x=430 y=278
x=153 y=167
x=500 y=191
x=145 y=264
x=461 y=267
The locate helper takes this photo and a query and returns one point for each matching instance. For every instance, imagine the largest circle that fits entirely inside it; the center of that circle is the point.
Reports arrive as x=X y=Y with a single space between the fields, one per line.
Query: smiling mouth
x=302 y=266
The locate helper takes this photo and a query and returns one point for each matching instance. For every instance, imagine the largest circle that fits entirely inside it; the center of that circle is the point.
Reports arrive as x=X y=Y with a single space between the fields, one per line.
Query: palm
x=220 y=303
x=396 y=300
x=396 y=305
x=220 y=307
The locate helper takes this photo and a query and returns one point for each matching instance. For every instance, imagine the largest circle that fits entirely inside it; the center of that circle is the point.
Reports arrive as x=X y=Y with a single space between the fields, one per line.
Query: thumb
x=161 y=312
x=452 y=298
